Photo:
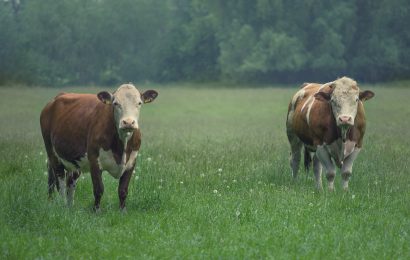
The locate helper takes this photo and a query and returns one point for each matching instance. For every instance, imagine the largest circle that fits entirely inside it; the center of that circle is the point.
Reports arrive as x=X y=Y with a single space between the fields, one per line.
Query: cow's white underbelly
x=106 y=162
x=82 y=164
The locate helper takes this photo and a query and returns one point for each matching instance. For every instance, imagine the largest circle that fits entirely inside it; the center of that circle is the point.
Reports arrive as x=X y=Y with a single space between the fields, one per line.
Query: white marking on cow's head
x=343 y=95
x=127 y=102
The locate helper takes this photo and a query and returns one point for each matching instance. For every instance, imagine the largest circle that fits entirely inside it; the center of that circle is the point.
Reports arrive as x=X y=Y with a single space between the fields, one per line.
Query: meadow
x=212 y=181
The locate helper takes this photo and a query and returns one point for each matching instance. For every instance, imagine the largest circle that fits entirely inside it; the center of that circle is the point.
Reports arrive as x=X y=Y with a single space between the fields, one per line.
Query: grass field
x=212 y=181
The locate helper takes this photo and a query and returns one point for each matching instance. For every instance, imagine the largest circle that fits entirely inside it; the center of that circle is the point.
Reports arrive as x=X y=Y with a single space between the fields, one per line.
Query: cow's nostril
x=345 y=119
x=133 y=122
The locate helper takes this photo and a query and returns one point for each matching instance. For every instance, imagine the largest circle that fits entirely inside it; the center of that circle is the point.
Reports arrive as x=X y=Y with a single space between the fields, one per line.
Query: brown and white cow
x=88 y=132
x=329 y=121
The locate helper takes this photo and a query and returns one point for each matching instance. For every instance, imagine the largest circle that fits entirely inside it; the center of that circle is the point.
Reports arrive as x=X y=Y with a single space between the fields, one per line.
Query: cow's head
x=126 y=102
x=344 y=96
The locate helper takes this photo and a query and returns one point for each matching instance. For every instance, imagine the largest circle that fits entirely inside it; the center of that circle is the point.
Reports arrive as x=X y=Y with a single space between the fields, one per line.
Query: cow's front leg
x=98 y=186
x=347 y=168
x=71 y=184
x=123 y=187
x=324 y=157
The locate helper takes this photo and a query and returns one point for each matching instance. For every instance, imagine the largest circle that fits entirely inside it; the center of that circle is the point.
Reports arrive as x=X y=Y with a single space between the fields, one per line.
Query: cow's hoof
x=123 y=210
x=97 y=210
x=319 y=189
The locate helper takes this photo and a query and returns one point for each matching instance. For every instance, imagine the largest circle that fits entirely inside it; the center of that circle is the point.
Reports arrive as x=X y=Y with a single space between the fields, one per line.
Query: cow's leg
x=52 y=182
x=324 y=157
x=71 y=183
x=347 y=168
x=54 y=167
x=296 y=147
x=317 y=169
x=123 y=187
x=98 y=186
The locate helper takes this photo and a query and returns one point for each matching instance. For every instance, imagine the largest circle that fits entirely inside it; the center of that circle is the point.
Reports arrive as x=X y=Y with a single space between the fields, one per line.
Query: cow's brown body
x=77 y=129
x=312 y=124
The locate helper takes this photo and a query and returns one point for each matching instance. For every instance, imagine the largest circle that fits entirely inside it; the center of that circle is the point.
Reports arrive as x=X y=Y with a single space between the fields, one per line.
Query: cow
x=328 y=121
x=88 y=132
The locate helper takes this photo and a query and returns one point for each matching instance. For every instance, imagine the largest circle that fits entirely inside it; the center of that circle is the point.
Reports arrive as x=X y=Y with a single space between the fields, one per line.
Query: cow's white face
x=344 y=97
x=127 y=102
x=344 y=100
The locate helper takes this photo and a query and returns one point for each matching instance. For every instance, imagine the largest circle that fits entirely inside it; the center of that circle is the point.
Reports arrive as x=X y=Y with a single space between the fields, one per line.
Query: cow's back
x=311 y=119
x=65 y=123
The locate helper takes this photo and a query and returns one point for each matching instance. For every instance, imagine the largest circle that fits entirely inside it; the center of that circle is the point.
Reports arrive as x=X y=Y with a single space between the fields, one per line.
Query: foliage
x=104 y=42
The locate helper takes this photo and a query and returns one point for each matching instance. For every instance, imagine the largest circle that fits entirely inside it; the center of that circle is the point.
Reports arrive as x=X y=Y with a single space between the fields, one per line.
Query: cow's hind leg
x=317 y=169
x=295 y=154
x=71 y=184
x=56 y=173
x=52 y=182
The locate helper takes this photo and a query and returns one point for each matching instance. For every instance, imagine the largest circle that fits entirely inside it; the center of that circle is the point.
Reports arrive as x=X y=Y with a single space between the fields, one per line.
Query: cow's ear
x=149 y=96
x=366 y=95
x=322 y=96
x=105 y=97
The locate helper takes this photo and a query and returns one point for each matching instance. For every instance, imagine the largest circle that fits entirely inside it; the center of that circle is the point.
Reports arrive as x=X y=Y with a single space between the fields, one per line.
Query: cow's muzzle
x=345 y=121
x=128 y=125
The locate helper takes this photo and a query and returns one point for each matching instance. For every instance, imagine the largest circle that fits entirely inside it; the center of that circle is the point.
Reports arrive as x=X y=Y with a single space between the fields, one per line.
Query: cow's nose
x=345 y=119
x=128 y=123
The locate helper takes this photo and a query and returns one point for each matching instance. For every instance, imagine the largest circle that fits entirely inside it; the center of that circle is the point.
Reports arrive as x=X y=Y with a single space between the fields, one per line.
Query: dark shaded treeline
x=104 y=41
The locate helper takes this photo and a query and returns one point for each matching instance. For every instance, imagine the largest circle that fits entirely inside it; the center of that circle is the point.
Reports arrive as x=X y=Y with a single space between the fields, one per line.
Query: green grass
x=213 y=182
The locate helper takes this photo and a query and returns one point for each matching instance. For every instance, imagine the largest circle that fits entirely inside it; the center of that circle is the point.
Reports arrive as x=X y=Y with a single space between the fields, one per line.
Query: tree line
x=63 y=42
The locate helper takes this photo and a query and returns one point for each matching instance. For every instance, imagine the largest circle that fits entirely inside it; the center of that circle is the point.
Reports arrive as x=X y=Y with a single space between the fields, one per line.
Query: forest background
x=102 y=42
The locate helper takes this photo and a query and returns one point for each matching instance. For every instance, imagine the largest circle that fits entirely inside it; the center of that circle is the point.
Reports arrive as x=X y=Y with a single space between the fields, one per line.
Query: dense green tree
x=106 y=42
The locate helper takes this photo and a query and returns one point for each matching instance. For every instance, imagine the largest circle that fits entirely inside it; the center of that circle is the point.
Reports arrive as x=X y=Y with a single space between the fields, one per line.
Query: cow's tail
x=307 y=159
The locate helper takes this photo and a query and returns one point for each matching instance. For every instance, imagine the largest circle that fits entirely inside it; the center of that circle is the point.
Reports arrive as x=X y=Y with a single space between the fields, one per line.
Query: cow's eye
x=117 y=105
x=140 y=103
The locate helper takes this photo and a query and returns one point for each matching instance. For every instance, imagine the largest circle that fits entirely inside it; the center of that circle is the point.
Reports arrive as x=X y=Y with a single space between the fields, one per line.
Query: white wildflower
x=149 y=159
x=215 y=191
x=353 y=196
x=220 y=170
x=202 y=175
